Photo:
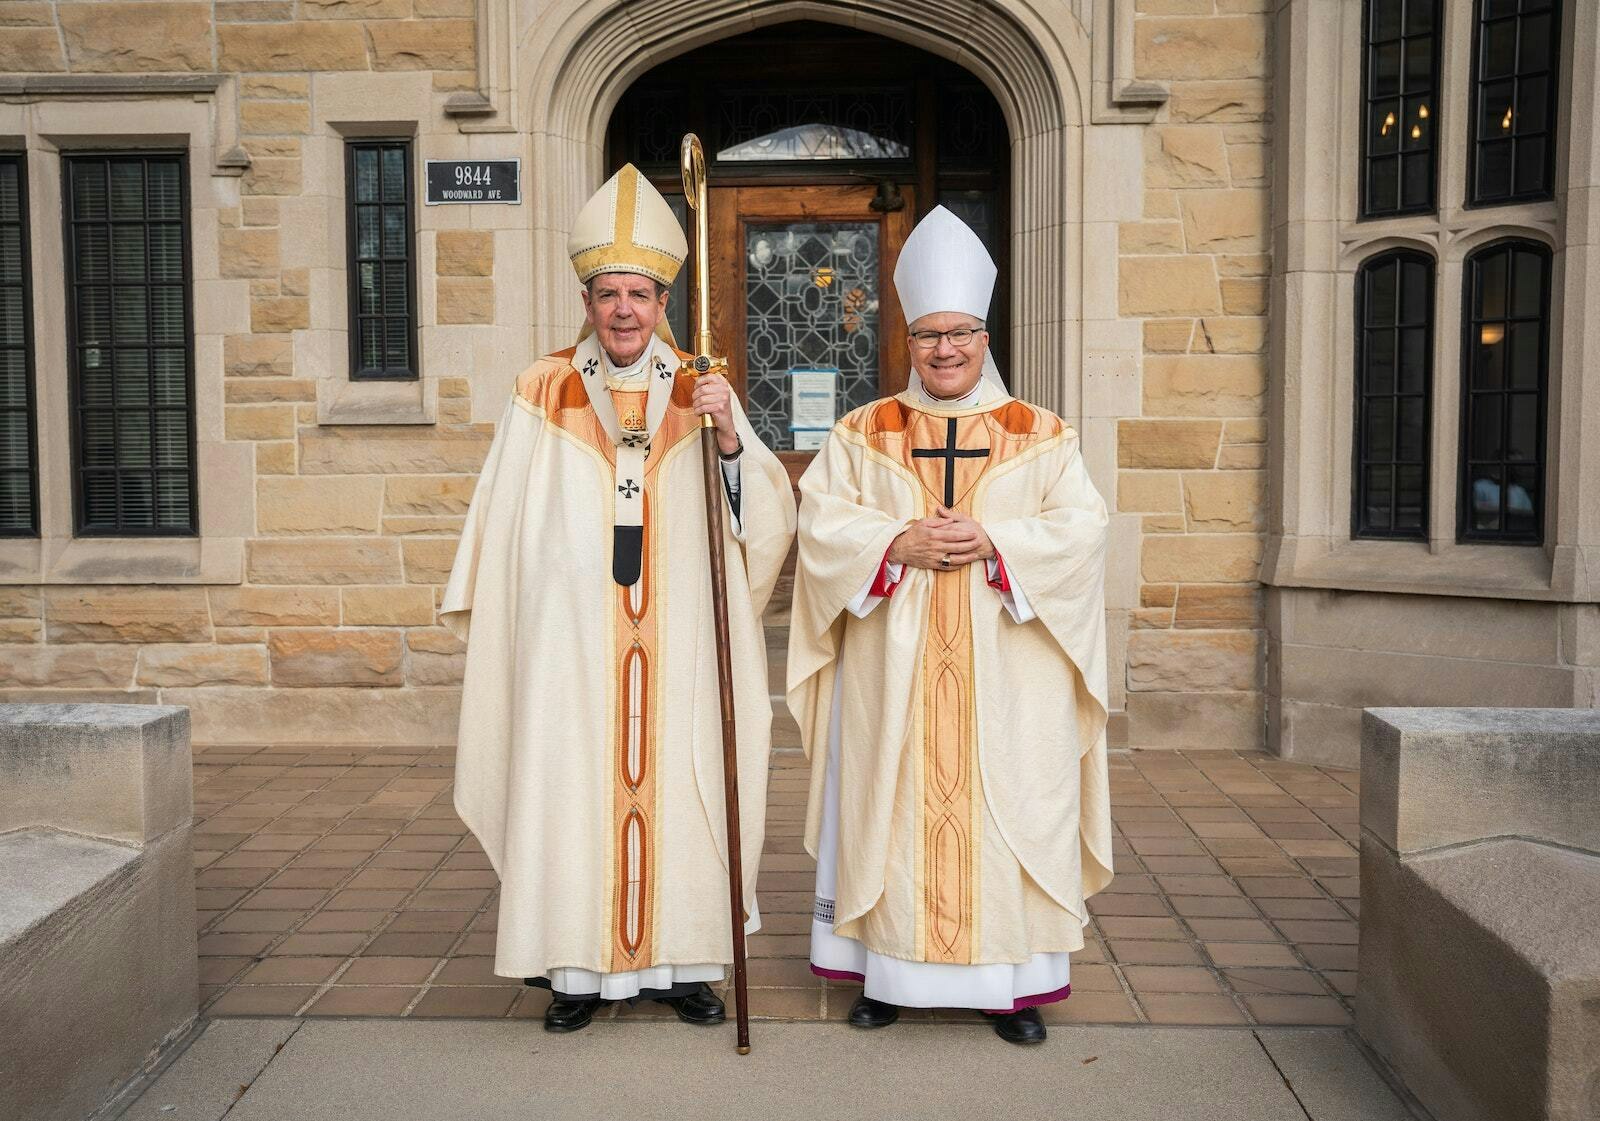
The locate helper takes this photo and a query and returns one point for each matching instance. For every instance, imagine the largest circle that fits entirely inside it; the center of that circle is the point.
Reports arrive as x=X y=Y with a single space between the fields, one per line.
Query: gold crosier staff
x=693 y=163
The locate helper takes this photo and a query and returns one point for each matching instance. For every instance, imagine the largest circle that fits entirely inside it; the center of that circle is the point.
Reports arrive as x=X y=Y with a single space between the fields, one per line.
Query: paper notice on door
x=813 y=400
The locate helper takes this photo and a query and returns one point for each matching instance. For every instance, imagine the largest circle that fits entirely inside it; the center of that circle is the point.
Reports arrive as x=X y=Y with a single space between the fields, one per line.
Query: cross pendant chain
x=950 y=453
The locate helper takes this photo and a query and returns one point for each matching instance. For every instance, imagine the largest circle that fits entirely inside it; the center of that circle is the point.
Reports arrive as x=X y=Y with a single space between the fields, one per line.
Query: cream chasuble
x=589 y=762
x=966 y=815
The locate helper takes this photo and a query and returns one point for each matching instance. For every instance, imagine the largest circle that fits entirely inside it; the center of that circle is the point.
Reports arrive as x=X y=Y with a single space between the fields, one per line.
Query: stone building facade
x=1184 y=242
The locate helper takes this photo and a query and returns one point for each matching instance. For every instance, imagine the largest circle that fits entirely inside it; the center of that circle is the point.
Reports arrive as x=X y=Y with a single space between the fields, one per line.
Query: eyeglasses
x=961 y=336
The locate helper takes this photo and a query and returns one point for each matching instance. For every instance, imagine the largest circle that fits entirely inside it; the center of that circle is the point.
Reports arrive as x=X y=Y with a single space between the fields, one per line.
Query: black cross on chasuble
x=950 y=453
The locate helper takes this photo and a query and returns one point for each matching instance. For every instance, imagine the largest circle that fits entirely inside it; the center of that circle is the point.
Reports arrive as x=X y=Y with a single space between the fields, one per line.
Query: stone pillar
x=97 y=939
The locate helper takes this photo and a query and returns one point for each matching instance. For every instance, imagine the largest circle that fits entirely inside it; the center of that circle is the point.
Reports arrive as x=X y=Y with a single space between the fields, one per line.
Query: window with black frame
x=1512 y=153
x=1505 y=375
x=19 y=483
x=380 y=226
x=1394 y=365
x=1401 y=66
x=131 y=343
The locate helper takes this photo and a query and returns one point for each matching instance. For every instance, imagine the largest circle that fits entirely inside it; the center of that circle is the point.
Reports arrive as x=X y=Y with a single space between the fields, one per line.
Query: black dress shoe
x=869 y=1013
x=570 y=1013
x=1019 y=1027
x=700 y=1007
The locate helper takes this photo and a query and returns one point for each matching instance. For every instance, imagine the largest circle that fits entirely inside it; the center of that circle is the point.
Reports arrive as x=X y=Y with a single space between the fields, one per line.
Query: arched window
x=1514 y=101
x=1505 y=366
x=1394 y=375
x=1401 y=106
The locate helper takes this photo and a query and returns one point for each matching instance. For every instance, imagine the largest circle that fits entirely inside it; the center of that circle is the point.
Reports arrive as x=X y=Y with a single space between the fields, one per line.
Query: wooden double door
x=802 y=278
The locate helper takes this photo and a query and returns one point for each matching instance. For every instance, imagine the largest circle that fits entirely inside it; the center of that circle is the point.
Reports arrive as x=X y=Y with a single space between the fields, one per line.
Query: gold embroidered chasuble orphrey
x=949 y=453
x=633 y=830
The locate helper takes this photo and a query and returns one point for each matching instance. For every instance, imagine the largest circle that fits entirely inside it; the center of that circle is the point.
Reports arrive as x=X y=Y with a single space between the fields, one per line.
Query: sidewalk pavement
x=388 y=1070
x=339 y=882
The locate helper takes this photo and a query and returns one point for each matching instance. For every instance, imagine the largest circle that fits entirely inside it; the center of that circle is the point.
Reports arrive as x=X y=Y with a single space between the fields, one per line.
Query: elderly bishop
x=589 y=762
x=947 y=669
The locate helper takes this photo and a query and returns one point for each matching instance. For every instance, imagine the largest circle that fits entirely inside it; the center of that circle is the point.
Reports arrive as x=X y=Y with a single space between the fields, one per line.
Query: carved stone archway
x=577 y=57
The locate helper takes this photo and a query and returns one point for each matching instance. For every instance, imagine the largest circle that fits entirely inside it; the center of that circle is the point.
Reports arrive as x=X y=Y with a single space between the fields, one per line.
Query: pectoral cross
x=950 y=453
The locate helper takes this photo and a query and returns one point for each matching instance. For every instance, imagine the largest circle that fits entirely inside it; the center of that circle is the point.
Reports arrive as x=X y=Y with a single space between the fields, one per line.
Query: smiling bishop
x=589 y=761
x=947 y=669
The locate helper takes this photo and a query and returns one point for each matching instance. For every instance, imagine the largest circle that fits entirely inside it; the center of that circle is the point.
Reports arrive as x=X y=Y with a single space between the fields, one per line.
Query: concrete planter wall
x=1480 y=883
x=98 y=964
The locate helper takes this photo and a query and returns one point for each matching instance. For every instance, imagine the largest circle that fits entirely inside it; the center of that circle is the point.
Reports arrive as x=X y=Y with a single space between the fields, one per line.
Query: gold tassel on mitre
x=626 y=226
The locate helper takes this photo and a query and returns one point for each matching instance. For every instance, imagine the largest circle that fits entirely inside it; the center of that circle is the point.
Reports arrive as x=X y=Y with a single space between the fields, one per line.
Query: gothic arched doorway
x=824 y=146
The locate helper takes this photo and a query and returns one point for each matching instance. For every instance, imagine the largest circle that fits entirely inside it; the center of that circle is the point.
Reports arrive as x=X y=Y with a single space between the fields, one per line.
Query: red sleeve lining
x=882 y=585
x=1002 y=580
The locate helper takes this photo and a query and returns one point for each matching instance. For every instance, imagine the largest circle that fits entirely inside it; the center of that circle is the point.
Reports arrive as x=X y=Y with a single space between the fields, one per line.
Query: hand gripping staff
x=693 y=165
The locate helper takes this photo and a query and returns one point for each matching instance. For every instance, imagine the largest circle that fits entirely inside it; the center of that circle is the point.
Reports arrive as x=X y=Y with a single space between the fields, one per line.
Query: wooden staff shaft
x=694 y=187
x=730 y=740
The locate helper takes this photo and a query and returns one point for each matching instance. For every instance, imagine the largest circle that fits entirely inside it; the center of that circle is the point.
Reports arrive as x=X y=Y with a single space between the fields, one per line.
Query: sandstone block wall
x=353 y=527
x=1191 y=461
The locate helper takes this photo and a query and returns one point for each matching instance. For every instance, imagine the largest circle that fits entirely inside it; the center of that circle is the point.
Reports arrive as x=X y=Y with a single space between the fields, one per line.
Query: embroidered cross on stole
x=631 y=434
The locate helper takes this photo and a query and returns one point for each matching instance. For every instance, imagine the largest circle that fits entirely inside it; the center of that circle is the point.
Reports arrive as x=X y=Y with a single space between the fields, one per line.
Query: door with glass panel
x=801 y=279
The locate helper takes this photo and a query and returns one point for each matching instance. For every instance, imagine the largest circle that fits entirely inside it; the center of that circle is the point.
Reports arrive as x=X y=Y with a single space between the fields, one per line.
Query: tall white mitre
x=943 y=266
x=626 y=226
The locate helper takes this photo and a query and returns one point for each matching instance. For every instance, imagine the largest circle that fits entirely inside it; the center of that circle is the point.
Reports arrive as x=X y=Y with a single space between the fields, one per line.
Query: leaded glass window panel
x=972 y=134
x=1506 y=359
x=764 y=126
x=381 y=241
x=678 y=294
x=1401 y=107
x=654 y=117
x=1514 y=86
x=811 y=300
x=19 y=492
x=1394 y=324
x=131 y=338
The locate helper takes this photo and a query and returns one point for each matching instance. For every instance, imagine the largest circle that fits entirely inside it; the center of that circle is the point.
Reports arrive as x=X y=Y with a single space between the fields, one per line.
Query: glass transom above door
x=811 y=300
x=773 y=125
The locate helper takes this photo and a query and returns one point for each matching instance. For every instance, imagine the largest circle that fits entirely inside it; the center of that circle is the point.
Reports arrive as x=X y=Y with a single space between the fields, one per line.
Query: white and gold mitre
x=626 y=226
x=944 y=267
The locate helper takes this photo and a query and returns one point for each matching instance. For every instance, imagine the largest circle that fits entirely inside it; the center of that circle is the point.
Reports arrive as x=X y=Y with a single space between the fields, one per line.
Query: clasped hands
x=948 y=539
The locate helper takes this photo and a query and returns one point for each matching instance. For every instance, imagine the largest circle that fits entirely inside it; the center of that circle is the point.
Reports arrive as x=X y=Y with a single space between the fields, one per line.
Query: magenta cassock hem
x=837 y=974
x=1032 y=1001
x=1021 y=1002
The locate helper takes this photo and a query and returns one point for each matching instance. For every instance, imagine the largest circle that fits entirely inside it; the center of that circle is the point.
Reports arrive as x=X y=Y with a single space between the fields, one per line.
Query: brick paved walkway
x=340 y=883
